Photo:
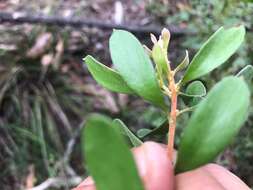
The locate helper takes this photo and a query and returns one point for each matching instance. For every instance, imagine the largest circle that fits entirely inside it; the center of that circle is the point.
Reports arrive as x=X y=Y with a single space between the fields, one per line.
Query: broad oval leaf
x=214 y=123
x=108 y=158
x=215 y=51
x=107 y=77
x=194 y=93
x=195 y=89
x=135 y=67
x=124 y=130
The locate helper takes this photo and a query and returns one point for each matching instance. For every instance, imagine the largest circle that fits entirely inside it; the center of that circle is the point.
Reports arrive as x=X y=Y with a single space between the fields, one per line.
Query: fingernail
x=140 y=159
x=84 y=187
x=86 y=184
x=88 y=181
x=154 y=166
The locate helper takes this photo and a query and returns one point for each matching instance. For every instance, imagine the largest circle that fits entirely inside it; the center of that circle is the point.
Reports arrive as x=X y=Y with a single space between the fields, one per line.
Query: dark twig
x=20 y=18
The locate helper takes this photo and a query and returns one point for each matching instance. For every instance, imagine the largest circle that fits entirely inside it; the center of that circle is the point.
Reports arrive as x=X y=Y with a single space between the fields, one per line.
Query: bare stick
x=20 y=18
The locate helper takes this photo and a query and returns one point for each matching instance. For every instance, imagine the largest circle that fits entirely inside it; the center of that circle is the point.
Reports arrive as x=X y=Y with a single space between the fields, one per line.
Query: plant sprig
x=217 y=116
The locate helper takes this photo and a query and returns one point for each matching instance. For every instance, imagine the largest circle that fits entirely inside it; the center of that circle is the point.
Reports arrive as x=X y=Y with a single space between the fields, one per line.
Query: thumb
x=154 y=167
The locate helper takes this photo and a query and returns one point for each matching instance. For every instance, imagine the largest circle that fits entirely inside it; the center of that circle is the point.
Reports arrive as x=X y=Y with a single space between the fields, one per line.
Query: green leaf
x=108 y=158
x=247 y=74
x=194 y=93
x=159 y=58
x=195 y=89
x=135 y=67
x=216 y=50
x=106 y=76
x=161 y=129
x=141 y=133
x=184 y=63
x=214 y=123
x=123 y=129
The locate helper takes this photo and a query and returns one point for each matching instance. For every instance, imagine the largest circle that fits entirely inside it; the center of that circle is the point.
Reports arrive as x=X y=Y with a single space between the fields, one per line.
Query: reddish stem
x=172 y=117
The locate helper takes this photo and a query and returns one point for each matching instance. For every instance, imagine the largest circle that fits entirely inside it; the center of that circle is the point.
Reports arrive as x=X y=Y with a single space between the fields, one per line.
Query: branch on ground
x=20 y=18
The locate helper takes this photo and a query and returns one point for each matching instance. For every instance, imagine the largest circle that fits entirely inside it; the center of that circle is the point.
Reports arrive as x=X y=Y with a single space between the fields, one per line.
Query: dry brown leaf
x=123 y=100
x=65 y=68
x=118 y=12
x=8 y=47
x=47 y=59
x=59 y=52
x=4 y=5
x=30 y=179
x=103 y=98
x=42 y=43
x=77 y=41
x=60 y=46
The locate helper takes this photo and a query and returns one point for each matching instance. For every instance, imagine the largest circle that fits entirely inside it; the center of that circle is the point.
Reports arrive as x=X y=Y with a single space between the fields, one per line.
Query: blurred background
x=46 y=92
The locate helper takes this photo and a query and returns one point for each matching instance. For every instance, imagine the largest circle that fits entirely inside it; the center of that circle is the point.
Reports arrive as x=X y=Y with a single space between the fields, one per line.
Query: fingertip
x=211 y=176
x=225 y=177
x=85 y=187
x=87 y=184
x=154 y=166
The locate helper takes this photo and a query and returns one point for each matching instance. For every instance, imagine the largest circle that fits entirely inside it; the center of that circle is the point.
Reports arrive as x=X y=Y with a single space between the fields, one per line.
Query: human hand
x=157 y=173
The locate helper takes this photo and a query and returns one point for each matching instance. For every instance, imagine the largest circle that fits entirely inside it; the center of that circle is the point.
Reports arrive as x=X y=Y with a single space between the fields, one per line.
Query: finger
x=154 y=167
x=87 y=184
x=226 y=178
x=210 y=177
x=197 y=179
x=85 y=187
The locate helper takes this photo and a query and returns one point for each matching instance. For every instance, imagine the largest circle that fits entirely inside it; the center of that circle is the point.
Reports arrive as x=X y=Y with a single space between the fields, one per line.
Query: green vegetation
x=43 y=107
x=212 y=126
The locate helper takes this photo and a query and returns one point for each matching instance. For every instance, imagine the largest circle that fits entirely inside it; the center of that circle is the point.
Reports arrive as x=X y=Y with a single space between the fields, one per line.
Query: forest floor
x=46 y=92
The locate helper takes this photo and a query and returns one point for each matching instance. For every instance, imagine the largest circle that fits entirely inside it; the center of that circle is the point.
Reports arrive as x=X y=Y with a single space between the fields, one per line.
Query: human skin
x=157 y=173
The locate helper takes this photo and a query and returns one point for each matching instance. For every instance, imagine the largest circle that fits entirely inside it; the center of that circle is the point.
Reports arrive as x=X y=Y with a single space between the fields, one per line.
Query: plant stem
x=186 y=110
x=172 y=116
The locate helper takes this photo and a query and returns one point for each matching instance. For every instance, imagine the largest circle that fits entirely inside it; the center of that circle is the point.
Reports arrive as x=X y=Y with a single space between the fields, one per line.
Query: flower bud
x=165 y=38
